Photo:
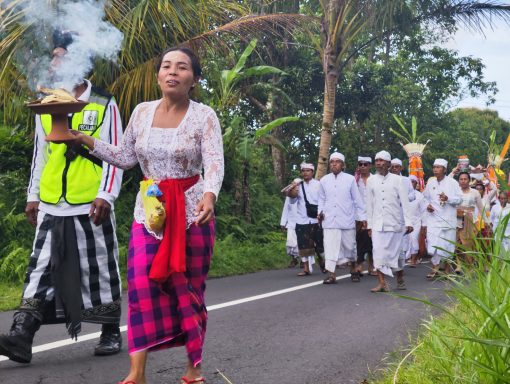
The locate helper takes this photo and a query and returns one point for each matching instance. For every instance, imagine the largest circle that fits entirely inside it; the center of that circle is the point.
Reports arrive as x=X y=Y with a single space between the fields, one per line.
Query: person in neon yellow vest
x=73 y=272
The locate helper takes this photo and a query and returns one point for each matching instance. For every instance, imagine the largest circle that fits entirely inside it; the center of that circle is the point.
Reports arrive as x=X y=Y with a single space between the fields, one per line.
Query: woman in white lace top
x=172 y=139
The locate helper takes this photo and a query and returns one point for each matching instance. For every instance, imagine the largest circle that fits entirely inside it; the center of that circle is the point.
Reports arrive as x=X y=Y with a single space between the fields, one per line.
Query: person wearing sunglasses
x=363 y=241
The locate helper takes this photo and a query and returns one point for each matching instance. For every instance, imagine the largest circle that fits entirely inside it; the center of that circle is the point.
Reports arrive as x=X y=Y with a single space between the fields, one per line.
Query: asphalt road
x=332 y=334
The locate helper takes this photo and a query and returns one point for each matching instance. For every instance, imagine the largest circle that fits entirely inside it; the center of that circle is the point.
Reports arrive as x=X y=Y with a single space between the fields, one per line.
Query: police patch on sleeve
x=89 y=122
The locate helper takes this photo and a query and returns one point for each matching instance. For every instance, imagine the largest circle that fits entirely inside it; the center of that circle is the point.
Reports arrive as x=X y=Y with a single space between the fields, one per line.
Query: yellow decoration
x=154 y=209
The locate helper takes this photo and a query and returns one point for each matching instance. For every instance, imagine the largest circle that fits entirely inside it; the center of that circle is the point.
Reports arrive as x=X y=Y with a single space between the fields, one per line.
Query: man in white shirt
x=396 y=168
x=363 y=241
x=288 y=224
x=309 y=234
x=73 y=274
x=387 y=204
x=340 y=203
x=442 y=195
x=418 y=209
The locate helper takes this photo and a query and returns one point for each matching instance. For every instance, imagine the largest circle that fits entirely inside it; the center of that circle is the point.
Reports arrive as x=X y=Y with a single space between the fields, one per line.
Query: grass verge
x=11 y=293
x=470 y=341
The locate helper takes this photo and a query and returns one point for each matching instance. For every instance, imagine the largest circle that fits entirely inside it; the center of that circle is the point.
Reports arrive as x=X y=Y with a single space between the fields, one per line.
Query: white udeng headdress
x=441 y=162
x=396 y=161
x=366 y=159
x=307 y=166
x=337 y=156
x=383 y=155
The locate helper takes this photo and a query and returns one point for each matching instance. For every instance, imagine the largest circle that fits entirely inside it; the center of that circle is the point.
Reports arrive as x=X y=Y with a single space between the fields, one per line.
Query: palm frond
x=476 y=15
x=251 y=26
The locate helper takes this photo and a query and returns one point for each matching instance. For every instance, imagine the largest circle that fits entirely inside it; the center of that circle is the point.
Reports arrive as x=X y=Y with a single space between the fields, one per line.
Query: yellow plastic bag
x=154 y=209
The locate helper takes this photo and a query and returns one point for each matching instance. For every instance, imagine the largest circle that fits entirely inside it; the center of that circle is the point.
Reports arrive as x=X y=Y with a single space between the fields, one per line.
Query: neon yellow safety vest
x=74 y=180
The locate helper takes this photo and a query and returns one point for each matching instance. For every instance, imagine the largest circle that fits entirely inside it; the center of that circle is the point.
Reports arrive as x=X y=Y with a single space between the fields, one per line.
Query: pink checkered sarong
x=171 y=314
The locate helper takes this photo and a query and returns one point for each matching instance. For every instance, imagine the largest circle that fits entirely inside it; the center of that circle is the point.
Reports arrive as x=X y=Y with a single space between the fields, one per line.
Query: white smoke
x=93 y=37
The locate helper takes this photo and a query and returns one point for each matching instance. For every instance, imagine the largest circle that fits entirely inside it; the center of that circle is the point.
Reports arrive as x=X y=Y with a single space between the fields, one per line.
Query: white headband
x=383 y=155
x=396 y=161
x=413 y=178
x=337 y=156
x=307 y=166
x=441 y=162
x=365 y=159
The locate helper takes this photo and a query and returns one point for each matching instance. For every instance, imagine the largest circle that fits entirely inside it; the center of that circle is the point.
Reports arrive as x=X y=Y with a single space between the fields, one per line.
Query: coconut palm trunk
x=330 y=83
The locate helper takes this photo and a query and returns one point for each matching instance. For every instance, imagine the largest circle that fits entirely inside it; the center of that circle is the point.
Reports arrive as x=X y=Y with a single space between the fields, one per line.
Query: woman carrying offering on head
x=172 y=139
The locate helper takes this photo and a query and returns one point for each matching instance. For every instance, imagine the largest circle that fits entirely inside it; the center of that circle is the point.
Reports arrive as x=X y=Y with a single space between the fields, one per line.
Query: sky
x=494 y=50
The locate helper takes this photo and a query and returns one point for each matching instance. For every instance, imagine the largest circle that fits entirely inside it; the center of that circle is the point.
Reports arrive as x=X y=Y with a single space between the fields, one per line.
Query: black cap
x=62 y=39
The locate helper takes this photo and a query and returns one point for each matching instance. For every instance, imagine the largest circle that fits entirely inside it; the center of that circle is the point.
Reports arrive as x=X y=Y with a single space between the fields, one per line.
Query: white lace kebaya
x=196 y=144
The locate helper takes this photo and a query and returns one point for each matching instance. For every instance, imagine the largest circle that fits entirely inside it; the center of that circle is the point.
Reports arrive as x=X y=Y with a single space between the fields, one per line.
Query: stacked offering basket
x=60 y=130
x=414 y=152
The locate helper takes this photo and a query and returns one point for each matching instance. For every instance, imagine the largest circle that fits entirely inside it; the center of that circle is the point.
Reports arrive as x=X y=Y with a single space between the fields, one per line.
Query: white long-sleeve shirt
x=111 y=178
x=289 y=213
x=340 y=201
x=388 y=203
x=443 y=216
x=362 y=188
x=411 y=193
x=312 y=195
x=418 y=209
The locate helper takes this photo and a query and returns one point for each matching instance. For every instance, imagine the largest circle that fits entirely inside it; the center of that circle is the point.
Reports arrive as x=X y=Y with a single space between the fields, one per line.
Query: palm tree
x=149 y=26
x=348 y=26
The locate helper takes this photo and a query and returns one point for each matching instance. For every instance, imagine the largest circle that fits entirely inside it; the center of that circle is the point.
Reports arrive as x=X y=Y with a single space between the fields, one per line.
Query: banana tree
x=240 y=143
x=242 y=147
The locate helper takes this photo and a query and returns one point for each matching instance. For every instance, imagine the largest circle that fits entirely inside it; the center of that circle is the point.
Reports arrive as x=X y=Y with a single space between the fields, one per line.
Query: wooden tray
x=57 y=108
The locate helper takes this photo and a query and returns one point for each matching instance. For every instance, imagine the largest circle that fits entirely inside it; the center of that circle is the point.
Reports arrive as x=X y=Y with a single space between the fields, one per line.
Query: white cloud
x=494 y=50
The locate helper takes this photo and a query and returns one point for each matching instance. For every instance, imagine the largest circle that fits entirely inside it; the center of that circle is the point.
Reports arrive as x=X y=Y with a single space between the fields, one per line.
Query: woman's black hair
x=464 y=173
x=195 y=62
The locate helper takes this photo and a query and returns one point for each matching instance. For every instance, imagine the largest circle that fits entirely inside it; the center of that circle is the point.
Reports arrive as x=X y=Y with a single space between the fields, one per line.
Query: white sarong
x=387 y=250
x=339 y=247
x=414 y=242
x=291 y=244
x=441 y=243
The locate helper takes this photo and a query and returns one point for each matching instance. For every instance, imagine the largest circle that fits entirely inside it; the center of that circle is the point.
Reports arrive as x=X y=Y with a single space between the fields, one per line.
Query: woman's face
x=464 y=181
x=175 y=77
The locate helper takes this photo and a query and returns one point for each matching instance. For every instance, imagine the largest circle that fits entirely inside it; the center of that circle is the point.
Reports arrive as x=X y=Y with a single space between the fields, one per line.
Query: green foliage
x=234 y=256
x=470 y=342
x=17 y=234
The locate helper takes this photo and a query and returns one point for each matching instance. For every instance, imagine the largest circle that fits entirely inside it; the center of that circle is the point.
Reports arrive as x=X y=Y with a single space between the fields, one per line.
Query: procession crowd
x=73 y=273
x=385 y=220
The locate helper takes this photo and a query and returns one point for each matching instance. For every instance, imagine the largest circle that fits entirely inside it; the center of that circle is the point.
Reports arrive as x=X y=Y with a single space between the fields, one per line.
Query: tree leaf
x=266 y=129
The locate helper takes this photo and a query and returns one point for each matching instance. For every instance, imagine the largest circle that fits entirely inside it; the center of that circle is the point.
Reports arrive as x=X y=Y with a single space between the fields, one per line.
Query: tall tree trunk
x=327 y=121
x=278 y=157
x=246 y=192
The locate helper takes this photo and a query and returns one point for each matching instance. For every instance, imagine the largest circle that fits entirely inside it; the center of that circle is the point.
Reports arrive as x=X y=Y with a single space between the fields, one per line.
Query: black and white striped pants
x=100 y=277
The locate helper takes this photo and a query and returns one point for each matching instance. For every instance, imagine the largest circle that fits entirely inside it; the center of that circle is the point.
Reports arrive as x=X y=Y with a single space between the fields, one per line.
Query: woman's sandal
x=304 y=273
x=185 y=380
x=329 y=280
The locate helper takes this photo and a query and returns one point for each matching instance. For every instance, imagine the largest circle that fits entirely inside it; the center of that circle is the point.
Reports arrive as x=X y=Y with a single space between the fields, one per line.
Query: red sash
x=171 y=255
